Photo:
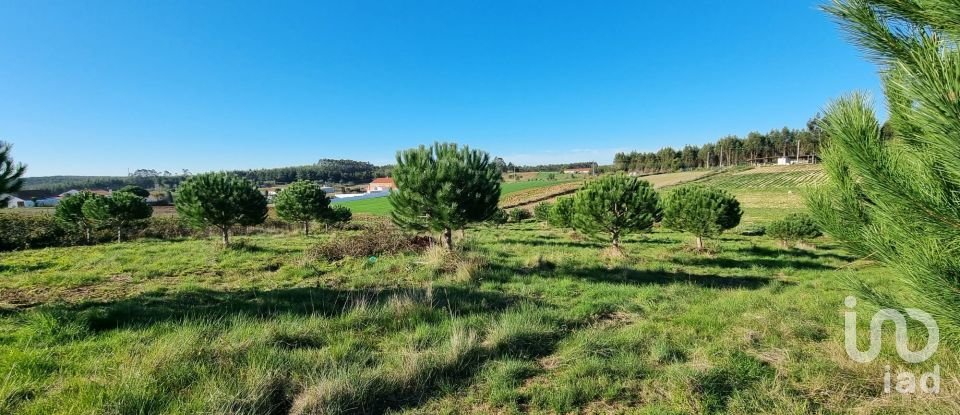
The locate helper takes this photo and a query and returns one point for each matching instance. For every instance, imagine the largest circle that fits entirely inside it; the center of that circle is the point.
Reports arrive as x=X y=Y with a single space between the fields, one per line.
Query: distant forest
x=731 y=150
x=328 y=171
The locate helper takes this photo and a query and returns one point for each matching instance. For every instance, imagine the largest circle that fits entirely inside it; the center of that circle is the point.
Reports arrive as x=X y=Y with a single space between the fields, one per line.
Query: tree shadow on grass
x=798 y=253
x=769 y=263
x=544 y=242
x=624 y=275
x=158 y=306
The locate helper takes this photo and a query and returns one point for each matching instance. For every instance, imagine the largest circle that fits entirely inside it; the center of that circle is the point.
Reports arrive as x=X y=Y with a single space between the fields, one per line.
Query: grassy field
x=526 y=319
x=381 y=206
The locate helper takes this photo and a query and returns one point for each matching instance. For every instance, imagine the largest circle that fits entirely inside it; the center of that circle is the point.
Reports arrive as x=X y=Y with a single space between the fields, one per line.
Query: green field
x=524 y=319
x=381 y=206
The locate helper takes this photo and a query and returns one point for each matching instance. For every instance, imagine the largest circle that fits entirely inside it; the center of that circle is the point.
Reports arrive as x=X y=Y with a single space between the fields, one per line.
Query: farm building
x=11 y=201
x=381 y=184
x=579 y=170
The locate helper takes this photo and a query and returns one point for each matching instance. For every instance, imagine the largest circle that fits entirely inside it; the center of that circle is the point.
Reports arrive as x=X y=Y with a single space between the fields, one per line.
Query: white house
x=784 y=161
x=12 y=201
x=579 y=170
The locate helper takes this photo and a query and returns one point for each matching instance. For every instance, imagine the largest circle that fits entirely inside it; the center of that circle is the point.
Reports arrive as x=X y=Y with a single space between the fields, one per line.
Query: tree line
x=327 y=171
x=732 y=150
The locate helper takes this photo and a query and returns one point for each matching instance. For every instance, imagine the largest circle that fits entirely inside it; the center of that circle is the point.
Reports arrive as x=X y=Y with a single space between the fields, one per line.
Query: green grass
x=381 y=206
x=527 y=319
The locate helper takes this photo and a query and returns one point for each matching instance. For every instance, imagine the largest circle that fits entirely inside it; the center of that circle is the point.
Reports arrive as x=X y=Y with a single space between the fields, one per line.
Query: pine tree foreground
x=700 y=210
x=615 y=206
x=303 y=201
x=893 y=192
x=443 y=188
x=220 y=200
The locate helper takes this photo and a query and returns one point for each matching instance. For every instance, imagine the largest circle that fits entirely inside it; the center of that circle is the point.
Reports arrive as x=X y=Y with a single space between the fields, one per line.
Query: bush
x=499 y=217
x=376 y=240
x=796 y=227
x=702 y=211
x=541 y=212
x=754 y=230
x=24 y=231
x=517 y=215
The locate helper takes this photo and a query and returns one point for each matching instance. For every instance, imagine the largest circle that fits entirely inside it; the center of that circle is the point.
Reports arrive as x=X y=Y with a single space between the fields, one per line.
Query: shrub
x=339 y=216
x=541 y=212
x=220 y=200
x=796 y=227
x=615 y=206
x=167 y=227
x=499 y=217
x=754 y=230
x=303 y=201
x=25 y=231
x=119 y=212
x=517 y=215
x=702 y=211
x=561 y=213
x=135 y=190
x=375 y=240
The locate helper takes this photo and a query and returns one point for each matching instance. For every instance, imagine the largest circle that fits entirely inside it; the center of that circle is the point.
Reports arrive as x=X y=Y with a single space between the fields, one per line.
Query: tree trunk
x=306 y=227
x=86 y=231
x=616 y=240
x=119 y=234
x=225 y=233
x=448 y=238
x=699 y=243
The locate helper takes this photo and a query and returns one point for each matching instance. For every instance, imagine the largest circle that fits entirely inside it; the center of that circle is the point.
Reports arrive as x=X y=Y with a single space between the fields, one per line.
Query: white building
x=12 y=201
x=784 y=161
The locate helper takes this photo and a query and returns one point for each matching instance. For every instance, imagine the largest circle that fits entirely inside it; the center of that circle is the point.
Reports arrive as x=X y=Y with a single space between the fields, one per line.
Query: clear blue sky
x=102 y=87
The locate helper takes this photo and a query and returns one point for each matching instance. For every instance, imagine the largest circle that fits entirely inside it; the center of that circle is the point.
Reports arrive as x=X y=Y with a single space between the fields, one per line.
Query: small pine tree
x=702 y=211
x=339 y=214
x=541 y=212
x=443 y=188
x=615 y=206
x=9 y=173
x=561 y=213
x=136 y=190
x=303 y=201
x=517 y=215
x=499 y=217
x=220 y=200
x=793 y=228
x=120 y=211
x=69 y=213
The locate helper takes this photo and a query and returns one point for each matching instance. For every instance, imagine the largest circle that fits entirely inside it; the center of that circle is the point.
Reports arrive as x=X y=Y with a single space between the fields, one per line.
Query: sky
x=103 y=88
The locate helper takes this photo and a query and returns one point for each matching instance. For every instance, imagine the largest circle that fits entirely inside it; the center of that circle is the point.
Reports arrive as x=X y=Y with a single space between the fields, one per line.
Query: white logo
x=906 y=381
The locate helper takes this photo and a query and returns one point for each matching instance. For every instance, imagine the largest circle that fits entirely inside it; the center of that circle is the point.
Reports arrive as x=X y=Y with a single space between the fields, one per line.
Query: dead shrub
x=374 y=240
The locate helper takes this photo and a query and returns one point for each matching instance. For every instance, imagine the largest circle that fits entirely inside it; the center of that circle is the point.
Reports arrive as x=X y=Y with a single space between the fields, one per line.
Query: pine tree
x=303 y=201
x=615 y=206
x=9 y=173
x=69 y=213
x=443 y=188
x=120 y=211
x=339 y=214
x=561 y=213
x=793 y=227
x=220 y=200
x=136 y=190
x=700 y=210
x=893 y=191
